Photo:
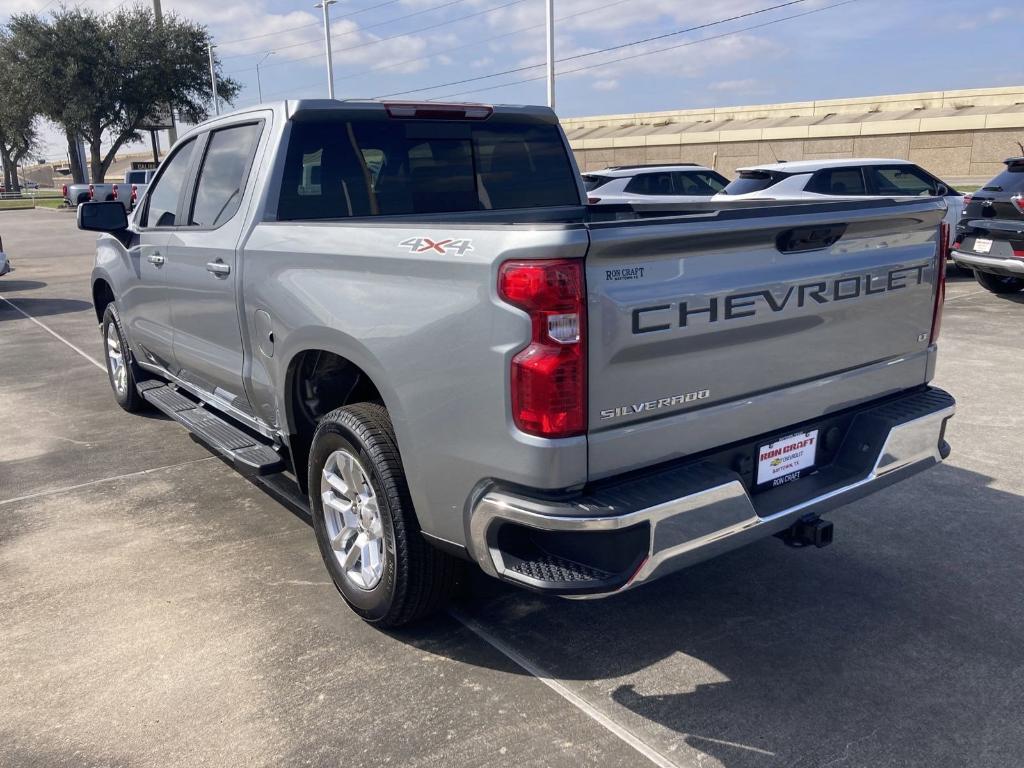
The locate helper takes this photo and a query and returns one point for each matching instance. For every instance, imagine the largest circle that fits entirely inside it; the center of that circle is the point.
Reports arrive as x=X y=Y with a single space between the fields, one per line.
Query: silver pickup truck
x=128 y=192
x=410 y=313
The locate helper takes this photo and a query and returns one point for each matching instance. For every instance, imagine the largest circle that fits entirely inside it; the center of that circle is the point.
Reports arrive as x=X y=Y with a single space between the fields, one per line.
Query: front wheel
x=365 y=524
x=999 y=283
x=121 y=369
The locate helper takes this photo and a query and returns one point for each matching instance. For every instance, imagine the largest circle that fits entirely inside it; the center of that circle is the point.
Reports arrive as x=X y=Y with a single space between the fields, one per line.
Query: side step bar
x=248 y=453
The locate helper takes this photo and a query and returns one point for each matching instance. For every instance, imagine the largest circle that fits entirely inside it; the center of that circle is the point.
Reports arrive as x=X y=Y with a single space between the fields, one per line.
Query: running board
x=248 y=453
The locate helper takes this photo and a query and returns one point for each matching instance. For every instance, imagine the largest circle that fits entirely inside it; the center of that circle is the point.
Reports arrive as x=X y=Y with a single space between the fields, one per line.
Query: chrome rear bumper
x=712 y=511
x=1007 y=266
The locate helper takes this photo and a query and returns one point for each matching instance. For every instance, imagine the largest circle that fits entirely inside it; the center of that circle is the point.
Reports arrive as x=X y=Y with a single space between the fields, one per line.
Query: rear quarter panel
x=430 y=332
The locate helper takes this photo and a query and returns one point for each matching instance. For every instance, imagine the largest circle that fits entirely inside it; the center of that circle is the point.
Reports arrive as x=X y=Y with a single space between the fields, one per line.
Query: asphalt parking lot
x=160 y=610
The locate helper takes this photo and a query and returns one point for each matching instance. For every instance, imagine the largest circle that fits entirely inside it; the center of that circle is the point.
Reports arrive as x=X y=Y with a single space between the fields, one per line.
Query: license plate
x=981 y=245
x=786 y=460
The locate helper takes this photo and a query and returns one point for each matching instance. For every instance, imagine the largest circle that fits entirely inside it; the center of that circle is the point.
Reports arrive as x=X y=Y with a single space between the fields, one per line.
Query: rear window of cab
x=340 y=168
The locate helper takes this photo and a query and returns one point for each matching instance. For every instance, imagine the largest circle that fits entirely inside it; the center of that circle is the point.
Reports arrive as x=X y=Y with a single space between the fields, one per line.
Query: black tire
x=129 y=398
x=417 y=579
x=999 y=283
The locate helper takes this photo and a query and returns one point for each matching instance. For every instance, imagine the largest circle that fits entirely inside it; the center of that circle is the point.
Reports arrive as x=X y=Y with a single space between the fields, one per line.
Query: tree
x=18 y=117
x=103 y=76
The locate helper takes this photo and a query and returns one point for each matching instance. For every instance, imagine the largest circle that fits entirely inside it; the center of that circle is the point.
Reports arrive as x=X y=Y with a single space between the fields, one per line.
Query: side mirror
x=103 y=217
x=941 y=190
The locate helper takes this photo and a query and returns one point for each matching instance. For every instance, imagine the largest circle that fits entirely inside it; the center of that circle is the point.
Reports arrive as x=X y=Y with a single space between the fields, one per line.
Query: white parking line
x=103 y=480
x=641 y=746
x=56 y=335
x=634 y=741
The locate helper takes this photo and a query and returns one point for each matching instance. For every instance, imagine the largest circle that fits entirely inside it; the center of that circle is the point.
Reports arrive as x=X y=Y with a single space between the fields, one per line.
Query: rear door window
x=229 y=154
x=838 y=181
x=659 y=183
x=697 y=183
x=162 y=209
x=903 y=180
x=379 y=167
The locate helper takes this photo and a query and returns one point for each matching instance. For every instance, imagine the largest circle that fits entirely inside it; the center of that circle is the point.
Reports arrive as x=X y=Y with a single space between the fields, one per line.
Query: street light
x=259 y=86
x=325 y=5
x=549 y=19
x=213 y=78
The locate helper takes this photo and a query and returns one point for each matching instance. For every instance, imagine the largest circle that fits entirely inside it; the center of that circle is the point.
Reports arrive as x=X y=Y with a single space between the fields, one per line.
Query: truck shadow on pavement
x=41 y=307
x=12 y=286
x=900 y=644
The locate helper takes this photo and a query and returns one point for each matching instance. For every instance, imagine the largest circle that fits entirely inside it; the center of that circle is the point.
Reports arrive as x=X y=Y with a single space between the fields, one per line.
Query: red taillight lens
x=549 y=376
x=593 y=200
x=967 y=200
x=92 y=192
x=135 y=194
x=64 y=190
x=940 y=282
x=1018 y=202
x=115 y=191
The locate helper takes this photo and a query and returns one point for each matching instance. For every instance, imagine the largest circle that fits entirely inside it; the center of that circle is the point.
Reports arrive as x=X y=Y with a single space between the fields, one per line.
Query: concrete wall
x=960 y=155
x=958 y=135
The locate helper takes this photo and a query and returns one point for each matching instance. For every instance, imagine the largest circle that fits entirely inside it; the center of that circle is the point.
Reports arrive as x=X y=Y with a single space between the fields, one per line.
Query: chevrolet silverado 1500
x=410 y=312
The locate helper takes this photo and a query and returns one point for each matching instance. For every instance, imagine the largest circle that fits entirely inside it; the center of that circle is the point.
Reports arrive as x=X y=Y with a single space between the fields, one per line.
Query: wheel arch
x=102 y=296
x=319 y=377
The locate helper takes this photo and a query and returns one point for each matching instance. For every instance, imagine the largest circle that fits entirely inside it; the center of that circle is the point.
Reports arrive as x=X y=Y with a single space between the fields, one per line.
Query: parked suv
x=682 y=183
x=409 y=314
x=990 y=238
x=857 y=177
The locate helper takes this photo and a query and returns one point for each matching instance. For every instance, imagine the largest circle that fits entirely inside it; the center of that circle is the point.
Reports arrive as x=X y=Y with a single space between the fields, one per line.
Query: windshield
x=592 y=181
x=1011 y=180
x=752 y=181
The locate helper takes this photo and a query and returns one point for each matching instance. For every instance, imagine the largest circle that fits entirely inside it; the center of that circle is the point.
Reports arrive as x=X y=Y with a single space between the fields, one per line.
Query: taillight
x=940 y=282
x=64 y=190
x=549 y=376
x=135 y=194
x=593 y=200
x=967 y=200
x=92 y=192
x=115 y=191
x=1018 y=203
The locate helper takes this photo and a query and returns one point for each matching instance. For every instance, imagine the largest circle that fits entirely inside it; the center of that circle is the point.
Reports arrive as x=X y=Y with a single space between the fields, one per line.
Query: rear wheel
x=365 y=524
x=121 y=369
x=999 y=283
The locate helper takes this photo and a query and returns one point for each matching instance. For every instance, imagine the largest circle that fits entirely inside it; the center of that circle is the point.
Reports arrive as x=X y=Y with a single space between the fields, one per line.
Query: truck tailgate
x=713 y=328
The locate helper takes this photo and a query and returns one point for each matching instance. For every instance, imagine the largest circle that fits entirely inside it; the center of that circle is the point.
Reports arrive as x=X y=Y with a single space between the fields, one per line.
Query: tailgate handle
x=809 y=238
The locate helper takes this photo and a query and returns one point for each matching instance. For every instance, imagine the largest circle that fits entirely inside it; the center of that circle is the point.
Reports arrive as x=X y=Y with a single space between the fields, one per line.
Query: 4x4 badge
x=429 y=245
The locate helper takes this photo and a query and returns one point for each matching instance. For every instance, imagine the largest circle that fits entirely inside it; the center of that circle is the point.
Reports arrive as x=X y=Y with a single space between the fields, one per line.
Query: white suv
x=856 y=177
x=683 y=182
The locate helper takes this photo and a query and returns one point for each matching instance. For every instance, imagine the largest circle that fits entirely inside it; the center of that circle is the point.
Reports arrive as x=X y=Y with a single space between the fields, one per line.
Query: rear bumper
x=628 y=531
x=1012 y=267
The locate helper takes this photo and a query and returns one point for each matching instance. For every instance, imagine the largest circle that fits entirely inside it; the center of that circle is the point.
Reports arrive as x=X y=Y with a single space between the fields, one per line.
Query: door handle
x=155 y=258
x=218 y=268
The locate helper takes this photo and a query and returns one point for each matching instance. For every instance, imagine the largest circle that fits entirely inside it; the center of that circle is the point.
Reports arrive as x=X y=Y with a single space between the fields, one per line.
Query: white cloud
x=734 y=85
x=605 y=85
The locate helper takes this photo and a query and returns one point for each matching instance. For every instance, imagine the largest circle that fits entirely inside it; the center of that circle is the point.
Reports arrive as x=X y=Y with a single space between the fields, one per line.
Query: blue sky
x=863 y=47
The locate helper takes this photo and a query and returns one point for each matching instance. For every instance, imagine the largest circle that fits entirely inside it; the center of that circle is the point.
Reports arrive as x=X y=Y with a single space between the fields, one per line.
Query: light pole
x=325 y=5
x=259 y=86
x=549 y=18
x=213 y=78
